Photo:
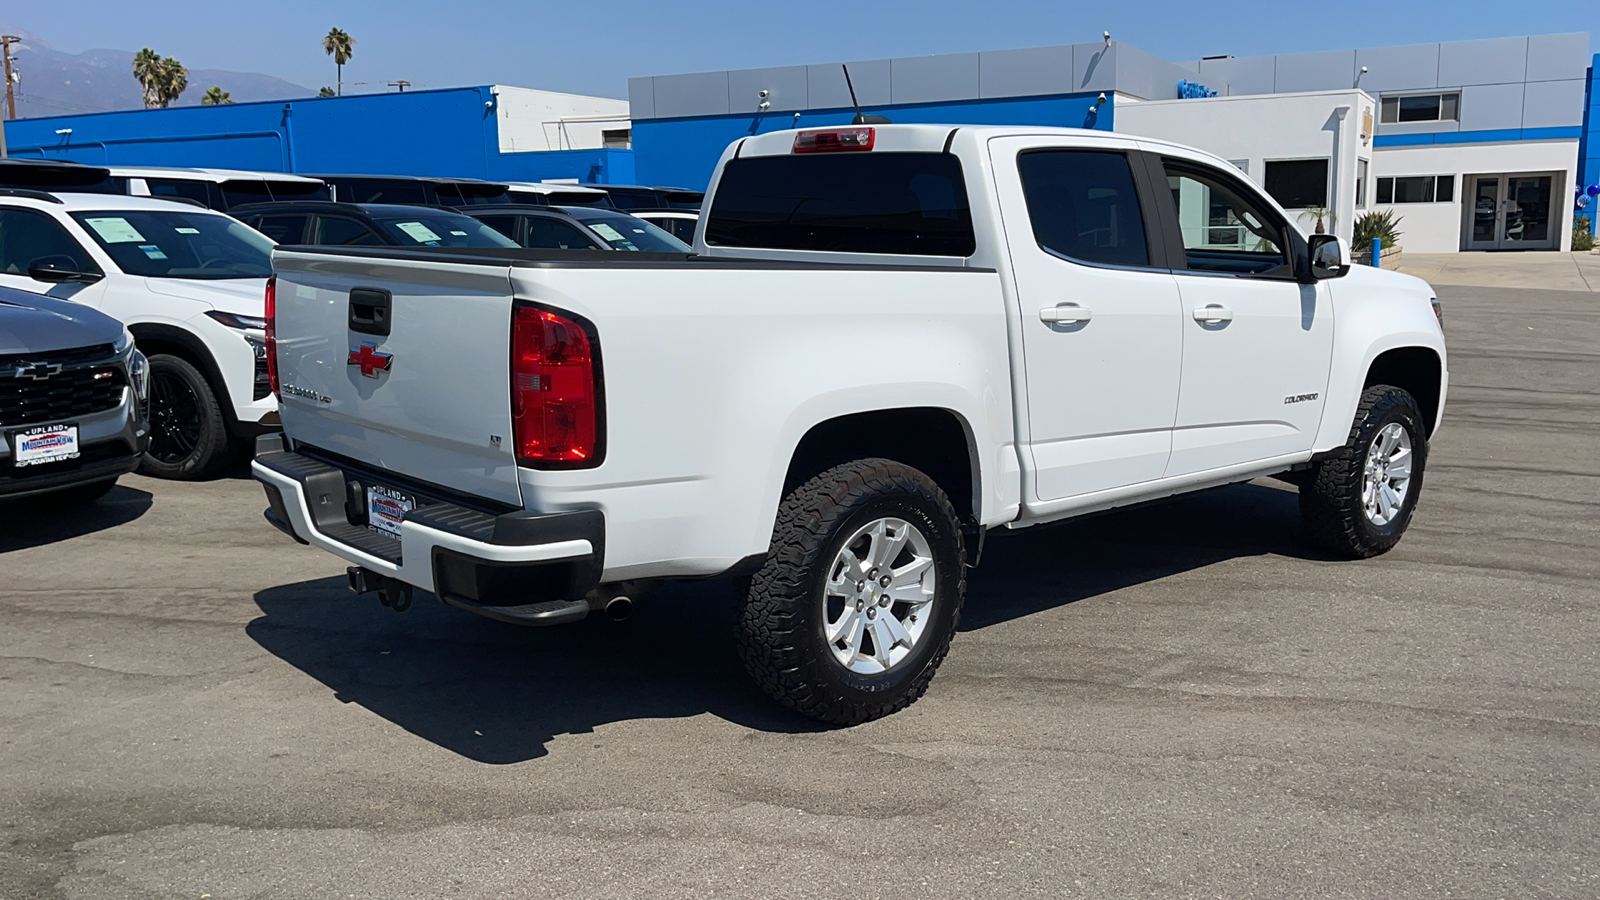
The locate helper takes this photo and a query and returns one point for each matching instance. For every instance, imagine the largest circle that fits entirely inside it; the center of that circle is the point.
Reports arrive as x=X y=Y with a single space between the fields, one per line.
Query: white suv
x=189 y=283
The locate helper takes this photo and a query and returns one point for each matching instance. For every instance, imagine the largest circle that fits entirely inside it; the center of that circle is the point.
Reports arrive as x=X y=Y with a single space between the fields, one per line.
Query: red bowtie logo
x=370 y=361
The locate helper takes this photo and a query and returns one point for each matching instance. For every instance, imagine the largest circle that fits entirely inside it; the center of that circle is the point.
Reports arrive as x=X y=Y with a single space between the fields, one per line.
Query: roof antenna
x=860 y=119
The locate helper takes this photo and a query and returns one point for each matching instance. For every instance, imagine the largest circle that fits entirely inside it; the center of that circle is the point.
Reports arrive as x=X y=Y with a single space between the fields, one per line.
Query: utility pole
x=402 y=84
x=11 y=98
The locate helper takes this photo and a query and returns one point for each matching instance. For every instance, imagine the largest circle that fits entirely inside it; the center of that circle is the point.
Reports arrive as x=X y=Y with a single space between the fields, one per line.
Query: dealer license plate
x=44 y=444
x=385 y=508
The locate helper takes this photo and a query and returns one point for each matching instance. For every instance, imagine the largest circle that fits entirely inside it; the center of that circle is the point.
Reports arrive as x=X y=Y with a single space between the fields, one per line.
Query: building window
x=616 y=138
x=1361 y=184
x=1417 y=189
x=1242 y=165
x=1421 y=108
x=1298 y=183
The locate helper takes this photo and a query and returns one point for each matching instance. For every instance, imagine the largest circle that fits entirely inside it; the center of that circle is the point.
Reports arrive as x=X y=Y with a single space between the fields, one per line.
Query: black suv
x=577 y=228
x=367 y=225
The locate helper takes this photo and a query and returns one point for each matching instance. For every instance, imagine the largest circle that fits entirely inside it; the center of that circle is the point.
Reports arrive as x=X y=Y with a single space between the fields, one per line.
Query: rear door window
x=287 y=228
x=336 y=230
x=899 y=203
x=554 y=234
x=1083 y=205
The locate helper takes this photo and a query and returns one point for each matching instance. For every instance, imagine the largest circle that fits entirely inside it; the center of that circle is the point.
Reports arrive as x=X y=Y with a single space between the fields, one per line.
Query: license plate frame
x=386 y=506
x=40 y=445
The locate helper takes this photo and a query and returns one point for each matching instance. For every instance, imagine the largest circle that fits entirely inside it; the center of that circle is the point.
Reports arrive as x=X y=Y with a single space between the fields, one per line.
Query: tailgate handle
x=370 y=309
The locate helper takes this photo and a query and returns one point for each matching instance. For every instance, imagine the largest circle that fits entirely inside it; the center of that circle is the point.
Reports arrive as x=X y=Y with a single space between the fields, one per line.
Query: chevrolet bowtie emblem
x=370 y=360
x=38 y=371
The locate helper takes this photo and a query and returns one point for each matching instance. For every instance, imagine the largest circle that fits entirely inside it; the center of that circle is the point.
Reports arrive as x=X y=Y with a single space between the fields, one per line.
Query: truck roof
x=936 y=138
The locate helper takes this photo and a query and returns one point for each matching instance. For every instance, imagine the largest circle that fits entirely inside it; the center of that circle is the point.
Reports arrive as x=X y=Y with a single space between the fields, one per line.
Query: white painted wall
x=1437 y=227
x=1257 y=128
x=546 y=120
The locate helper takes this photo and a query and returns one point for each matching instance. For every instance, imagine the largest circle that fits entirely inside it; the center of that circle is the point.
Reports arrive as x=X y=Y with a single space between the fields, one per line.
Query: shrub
x=1582 y=236
x=1380 y=224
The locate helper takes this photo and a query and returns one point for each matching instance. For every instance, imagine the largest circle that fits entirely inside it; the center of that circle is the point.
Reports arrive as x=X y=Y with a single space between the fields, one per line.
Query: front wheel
x=860 y=594
x=1359 y=500
x=188 y=433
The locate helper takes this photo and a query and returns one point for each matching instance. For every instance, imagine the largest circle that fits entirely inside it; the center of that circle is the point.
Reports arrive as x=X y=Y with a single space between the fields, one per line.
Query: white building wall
x=1438 y=227
x=547 y=120
x=1251 y=130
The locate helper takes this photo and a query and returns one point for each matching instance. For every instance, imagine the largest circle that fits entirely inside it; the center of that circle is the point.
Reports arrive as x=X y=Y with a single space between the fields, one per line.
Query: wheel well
x=1417 y=371
x=153 y=339
x=933 y=441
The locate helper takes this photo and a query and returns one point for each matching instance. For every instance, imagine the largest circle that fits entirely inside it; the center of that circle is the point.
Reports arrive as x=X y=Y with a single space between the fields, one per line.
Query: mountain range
x=53 y=83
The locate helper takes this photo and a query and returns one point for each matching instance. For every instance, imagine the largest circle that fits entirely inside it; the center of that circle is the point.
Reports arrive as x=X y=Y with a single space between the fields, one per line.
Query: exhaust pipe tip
x=618 y=608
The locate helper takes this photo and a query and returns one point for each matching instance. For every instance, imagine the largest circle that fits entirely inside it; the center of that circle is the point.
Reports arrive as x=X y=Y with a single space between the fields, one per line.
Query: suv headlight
x=139 y=376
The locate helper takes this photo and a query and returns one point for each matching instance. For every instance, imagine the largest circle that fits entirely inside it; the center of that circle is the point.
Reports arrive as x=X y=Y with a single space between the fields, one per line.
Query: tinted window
x=554 y=234
x=621 y=231
x=447 y=195
x=1084 y=205
x=164 y=244
x=506 y=225
x=573 y=198
x=238 y=193
x=906 y=203
x=529 y=198
x=380 y=190
x=289 y=228
x=441 y=229
x=1298 y=183
x=684 y=199
x=1223 y=229
x=682 y=229
x=345 y=232
x=634 y=198
x=198 y=191
x=27 y=236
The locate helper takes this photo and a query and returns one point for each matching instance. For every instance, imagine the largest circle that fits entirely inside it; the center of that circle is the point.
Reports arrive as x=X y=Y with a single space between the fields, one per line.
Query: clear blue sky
x=593 y=47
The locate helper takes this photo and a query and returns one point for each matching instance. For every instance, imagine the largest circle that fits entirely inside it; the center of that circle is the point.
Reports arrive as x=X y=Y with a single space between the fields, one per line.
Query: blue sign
x=1189 y=90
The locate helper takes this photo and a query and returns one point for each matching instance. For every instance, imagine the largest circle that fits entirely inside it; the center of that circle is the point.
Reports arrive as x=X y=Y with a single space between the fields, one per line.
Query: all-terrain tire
x=783 y=616
x=1332 y=505
x=188 y=431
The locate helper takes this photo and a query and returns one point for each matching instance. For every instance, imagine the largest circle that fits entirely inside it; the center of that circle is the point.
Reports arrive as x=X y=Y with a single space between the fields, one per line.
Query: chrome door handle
x=1065 y=314
x=1213 y=315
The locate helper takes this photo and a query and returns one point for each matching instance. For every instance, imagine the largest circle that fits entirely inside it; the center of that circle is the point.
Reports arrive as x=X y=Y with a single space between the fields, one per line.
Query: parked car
x=577 y=228
x=51 y=174
x=368 y=225
x=892 y=340
x=541 y=194
x=73 y=390
x=678 y=223
x=415 y=191
x=189 y=285
x=219 y=189
x=634 y=196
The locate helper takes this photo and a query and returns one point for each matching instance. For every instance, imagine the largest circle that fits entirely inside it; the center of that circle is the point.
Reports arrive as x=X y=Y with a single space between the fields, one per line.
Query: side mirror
x=1330 y=256
x=60 y=270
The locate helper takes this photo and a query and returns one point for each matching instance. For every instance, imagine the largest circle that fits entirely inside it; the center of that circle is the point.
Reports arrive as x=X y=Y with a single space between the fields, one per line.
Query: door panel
x=1257 y=345
x=1101 y=334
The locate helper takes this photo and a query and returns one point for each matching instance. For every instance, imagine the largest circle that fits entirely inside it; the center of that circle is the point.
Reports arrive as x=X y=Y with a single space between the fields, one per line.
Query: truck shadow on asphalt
x=500 y=694
x=36 y=521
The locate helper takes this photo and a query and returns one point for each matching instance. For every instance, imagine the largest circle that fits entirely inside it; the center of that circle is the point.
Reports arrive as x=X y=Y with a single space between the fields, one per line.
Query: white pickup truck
x=890 y=340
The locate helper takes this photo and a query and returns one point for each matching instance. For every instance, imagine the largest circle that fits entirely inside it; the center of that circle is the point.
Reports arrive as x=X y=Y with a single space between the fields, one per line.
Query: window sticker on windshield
x=607 y=232
x=187 y=230
x=115 y=230
x=152 y=251
x=419 y=232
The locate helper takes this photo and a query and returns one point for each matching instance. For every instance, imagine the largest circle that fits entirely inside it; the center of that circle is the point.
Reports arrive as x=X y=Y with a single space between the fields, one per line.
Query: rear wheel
x=188 y=433
x=860 y=595
x=1359 y=500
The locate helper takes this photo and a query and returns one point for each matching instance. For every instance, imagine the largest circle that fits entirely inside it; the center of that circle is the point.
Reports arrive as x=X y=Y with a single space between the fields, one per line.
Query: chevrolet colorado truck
x=890 y=340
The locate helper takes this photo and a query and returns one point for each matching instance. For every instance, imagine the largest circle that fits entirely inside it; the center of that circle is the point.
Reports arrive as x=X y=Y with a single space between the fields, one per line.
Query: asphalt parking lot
x=1179 y=701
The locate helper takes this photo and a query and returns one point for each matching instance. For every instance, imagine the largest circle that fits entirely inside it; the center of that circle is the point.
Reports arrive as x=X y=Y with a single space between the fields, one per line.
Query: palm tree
x=215 y=96
x=326 y=92
x=341 y=47
x=147 y=70
x=174 y=80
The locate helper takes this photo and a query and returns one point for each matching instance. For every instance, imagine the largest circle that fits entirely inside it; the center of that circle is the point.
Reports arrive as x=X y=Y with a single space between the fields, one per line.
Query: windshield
x=624 y=232
x=179 y=244
x=441 y=229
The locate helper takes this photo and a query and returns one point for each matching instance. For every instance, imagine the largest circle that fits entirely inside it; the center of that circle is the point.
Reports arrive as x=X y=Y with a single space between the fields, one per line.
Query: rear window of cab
x=911 y=204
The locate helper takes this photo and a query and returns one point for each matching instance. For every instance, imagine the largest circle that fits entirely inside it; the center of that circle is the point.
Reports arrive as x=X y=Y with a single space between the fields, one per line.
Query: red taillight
x=555 y=404
x=272 y=334
x=834 y=140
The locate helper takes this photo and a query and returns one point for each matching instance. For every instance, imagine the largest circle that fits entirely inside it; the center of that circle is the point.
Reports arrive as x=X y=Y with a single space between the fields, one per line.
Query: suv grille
x=81 y=387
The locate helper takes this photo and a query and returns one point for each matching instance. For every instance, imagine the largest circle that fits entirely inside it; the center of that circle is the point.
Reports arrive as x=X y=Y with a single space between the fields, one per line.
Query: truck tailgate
x=421 y=388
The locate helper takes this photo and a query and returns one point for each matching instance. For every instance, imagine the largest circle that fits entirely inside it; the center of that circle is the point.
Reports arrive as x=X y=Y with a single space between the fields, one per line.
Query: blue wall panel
x=449 y=132
x=683 y=152
x=1589 y=144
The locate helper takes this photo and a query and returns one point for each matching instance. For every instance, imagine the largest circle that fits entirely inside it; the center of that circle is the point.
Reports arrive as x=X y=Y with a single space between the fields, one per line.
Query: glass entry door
x=1510 y=212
